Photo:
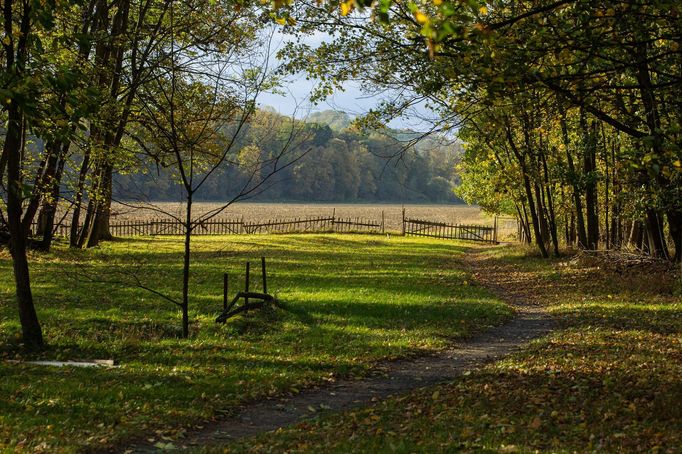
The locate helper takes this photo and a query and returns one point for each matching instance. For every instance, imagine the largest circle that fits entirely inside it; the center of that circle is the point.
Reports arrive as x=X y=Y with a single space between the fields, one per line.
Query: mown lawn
x=609 y=379
x=346 y=302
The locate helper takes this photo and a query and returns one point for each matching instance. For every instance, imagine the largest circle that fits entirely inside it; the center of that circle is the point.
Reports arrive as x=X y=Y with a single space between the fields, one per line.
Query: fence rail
x=321 y=224
x=420 y=227
x=156 y=227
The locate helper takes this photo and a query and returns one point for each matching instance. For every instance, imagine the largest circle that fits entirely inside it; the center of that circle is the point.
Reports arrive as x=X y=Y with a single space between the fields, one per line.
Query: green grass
x=607 y=380
x=346 y=302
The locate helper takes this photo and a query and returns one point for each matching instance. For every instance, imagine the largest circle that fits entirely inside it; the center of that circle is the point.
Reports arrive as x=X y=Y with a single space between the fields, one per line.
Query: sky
x=351 y=100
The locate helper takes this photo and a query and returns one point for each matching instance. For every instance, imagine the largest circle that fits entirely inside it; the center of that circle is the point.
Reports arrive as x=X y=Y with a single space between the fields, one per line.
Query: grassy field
x=346 y=302
x=608 y=380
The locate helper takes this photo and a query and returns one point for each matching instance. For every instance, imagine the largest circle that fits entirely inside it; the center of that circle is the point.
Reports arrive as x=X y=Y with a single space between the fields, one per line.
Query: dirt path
x=392 y=377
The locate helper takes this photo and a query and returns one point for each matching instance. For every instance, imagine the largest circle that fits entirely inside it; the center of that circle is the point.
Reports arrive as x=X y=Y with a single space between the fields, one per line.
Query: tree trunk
x=590 y=172
x=550 y=205
x=529 y=193
x=186 y=266
x=534 y=216
x=654 y=223
x=654 y=234
x=30 y=327
x=102 y=228
x=13 y=149
x=43 y=180
x=50 y=207
x=573 y=178
x=74 y=234
x=675 y=226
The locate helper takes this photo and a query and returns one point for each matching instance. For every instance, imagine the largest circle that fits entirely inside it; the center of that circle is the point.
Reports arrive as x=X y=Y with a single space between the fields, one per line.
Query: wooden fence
x=322 y=224
x=159 y=226
x=420 y=227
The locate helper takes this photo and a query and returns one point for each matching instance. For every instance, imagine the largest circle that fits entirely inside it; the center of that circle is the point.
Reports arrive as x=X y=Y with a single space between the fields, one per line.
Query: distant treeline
x=339 y=163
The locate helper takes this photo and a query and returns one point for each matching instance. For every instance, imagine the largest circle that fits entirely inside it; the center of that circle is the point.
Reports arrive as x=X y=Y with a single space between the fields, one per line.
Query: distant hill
x=335 y=119
x=341 y=164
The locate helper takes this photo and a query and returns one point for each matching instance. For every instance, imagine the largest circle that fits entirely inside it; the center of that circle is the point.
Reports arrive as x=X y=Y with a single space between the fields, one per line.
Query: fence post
x=403 y=229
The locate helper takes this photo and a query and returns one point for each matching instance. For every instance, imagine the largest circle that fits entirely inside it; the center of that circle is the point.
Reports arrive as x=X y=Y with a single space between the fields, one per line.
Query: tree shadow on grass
x=300 y=313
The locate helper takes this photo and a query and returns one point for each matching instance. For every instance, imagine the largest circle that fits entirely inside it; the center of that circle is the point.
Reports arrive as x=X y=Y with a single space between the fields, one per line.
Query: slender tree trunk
x=103 y=231
x=616 y=236
x=654 y=224
x=550 y=205
x=675 y=226
x=44 y=178
x=30 y=327
x=78 y=200
x=625 y=232
x=522 y=225
x=186 y=267
x=607 y=188
x=534 y=216
x=15 y=58
x=542 y=212
x=526 y=224
x=572 y=235
x=635 y=234
x=573 y=178
x=3 y=166
x=529 y=193
x=654 y=234
x=590 y=172
x=98 y=229
x=50 y=206
x=88 y=222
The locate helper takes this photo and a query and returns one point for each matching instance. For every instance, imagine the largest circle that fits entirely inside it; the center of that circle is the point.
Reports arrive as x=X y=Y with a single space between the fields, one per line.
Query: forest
x=570 y=111
x=341 y=164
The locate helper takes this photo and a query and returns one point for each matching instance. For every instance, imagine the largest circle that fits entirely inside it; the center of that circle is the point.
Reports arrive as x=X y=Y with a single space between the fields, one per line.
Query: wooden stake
x=225 y=291
x=246 y=284
x=265 y=276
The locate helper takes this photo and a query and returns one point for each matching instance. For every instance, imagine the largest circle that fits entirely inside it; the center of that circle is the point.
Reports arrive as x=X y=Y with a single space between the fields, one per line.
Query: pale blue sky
x=352 y=100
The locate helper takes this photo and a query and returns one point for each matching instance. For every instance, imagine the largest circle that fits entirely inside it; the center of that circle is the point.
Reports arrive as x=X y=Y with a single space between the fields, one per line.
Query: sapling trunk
x=185 y=267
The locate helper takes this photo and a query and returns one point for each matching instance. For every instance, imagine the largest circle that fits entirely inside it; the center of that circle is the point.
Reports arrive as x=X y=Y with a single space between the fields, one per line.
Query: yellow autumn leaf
x=346 y=8
x=677 y=164
x=421 y=18
x=281 y=21
x=483 y=10
x=437 y=2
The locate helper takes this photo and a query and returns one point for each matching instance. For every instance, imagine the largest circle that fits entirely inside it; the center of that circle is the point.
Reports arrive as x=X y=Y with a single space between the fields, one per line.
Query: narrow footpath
x=391 y=377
